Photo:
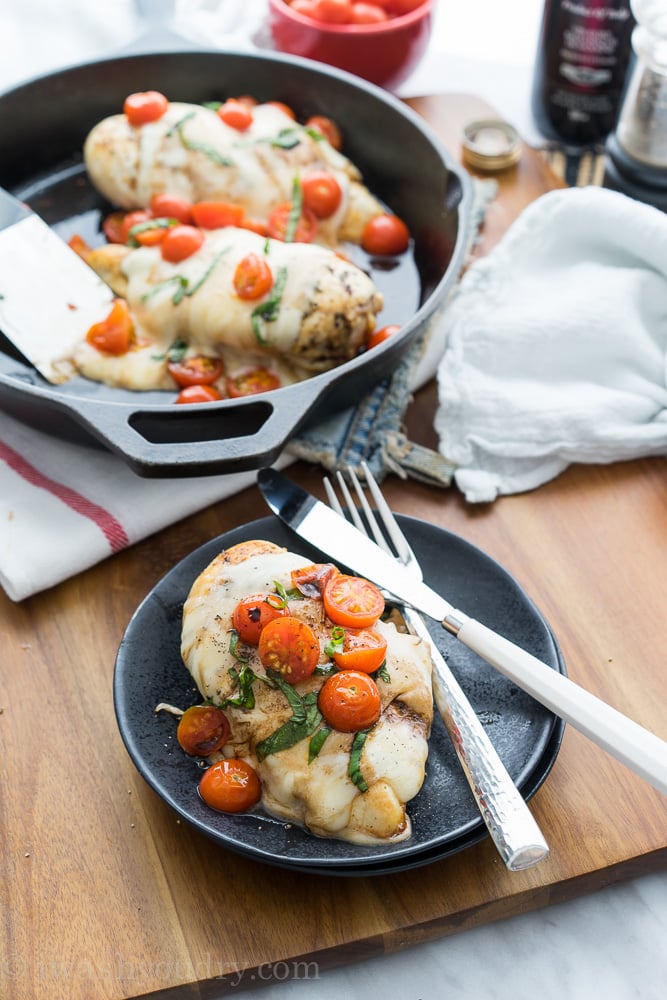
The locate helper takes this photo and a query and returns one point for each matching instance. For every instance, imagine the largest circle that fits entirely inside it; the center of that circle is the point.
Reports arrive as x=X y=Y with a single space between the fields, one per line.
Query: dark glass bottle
x=580 y=68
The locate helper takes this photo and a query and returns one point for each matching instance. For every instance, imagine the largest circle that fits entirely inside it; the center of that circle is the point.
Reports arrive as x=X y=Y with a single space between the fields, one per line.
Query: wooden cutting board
x=106 y=894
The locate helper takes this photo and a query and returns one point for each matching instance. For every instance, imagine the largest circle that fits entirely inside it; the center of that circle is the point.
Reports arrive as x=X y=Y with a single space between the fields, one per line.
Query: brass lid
x=491 y=144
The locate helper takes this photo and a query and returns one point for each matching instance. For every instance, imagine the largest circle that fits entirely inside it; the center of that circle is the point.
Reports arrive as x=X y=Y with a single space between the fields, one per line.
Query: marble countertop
x=610 y=943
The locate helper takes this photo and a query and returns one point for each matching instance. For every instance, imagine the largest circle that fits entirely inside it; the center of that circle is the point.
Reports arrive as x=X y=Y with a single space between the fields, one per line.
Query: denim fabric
x=372 y=430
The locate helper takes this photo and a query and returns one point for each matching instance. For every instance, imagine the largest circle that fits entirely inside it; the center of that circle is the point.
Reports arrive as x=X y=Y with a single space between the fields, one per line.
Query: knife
x=49 y=296
x=635 y=747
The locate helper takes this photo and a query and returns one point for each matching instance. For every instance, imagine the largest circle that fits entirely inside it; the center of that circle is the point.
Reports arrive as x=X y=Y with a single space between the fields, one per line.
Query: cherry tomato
x=79 y=246
x=248 y=100
x=328 y=128
x=236 y=114
x=334 y=11
x=198 y=394
x=363 y=649
x=280 y=222
x=352 y=601
x=197 y=370
x=311 y=580
x=202 y=730
x=369 y=13
x=379 y=336
x=146 y=106
x=252 y=382
x=131 y=219
x=322 y=193
x=230 y=786
x=254 y=612
x=252 y=277
x=216 y=214
x=285 y=108
x=385 y=235
x=112 y=227
x=308 y=8
x=255 y=226
x=181 y=242
x=171 y=206
x=289 y=647
x=113 y=335
x=350 y=701
x=399 y=7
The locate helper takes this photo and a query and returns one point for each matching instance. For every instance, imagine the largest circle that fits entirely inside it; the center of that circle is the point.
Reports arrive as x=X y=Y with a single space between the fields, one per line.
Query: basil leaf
x=383 y=673
x=287 y=138
x=142 y=227
x=245 y=679
x=295 y=211
x=177 y=278
x=354 y=767
x=336 y=643
x=306 y=717
x=267 y=312
x=199 y=147
x=177 y=351
x=317 y=742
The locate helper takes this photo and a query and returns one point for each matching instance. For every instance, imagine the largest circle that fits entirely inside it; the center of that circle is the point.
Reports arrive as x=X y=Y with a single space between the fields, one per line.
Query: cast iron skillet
x=43 y=124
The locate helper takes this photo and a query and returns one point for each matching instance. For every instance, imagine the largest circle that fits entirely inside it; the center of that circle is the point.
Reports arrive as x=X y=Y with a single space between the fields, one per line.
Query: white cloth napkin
x=556 y=345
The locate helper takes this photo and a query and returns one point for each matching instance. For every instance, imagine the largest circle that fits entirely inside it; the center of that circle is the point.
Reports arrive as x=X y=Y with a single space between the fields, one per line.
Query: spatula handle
x=636 y=747
x=513 y=829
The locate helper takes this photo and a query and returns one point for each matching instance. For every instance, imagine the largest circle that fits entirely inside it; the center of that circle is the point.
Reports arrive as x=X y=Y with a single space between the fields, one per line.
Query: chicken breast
x=191 y=152
x=320 y=794
x=318 y=313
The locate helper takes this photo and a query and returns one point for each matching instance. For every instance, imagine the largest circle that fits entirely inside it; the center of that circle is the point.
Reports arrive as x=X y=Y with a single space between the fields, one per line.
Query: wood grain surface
x=106 y=894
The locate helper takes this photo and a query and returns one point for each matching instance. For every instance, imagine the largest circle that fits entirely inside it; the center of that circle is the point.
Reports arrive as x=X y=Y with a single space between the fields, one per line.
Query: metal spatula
x=49 y=297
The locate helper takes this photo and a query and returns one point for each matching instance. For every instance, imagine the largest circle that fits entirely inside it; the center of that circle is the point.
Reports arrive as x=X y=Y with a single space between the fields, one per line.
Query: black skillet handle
x=200 y=439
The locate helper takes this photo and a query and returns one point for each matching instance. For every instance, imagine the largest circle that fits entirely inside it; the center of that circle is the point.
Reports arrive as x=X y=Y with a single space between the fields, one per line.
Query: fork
x=512 y=827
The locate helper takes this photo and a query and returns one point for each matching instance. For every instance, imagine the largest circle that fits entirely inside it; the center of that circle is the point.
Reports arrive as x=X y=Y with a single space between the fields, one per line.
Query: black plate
x=445 y=818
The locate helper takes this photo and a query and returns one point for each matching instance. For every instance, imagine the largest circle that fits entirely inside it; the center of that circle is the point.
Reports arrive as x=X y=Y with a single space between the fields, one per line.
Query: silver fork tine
x=511 y=824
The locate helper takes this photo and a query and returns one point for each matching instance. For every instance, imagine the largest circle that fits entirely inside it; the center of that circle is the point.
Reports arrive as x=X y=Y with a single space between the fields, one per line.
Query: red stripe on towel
x=106 y=522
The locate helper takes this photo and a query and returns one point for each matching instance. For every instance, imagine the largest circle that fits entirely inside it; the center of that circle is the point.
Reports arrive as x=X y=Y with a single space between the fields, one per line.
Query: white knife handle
x=511 y=824
x=637 y=748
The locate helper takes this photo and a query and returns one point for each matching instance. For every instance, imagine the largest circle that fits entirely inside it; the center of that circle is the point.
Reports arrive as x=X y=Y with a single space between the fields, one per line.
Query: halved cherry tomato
x=181 y=242
x=385 y=235
x=252 y=382
x=254 y=225
x=253 y=277
x=369 y=13
x=197 y=370
x=131 y=219
x=288 y=646
x=236 y=114
x=379 y=336
x=231 y=786
x=328 y=128
x=322 y=193
x=150 y=232
x=115 y=334
x=280 y=223
x=112 y=227
x=202 y=730
x=285 y=108
x=311 y=580
x=171 y=206
x=79 y=246
x=198 y=394
x=352 y=601
x=249 y=100
x=254 y=612
x=350 y=701
x=145 y=106
x=363 y=649
x=216 y=214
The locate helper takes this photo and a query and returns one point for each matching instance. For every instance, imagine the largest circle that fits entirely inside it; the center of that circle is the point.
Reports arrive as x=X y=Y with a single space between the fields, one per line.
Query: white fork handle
x=636 y=747
x=512 y=826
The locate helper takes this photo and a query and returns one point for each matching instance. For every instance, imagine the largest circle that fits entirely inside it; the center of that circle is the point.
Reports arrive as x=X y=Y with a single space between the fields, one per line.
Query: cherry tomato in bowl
x=231 y=786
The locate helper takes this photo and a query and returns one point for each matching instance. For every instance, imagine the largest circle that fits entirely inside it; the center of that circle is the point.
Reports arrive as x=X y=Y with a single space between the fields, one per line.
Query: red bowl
x=384 y=54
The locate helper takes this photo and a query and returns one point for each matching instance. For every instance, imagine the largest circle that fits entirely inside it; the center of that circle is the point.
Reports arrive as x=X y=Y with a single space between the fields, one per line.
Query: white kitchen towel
x=556 y=345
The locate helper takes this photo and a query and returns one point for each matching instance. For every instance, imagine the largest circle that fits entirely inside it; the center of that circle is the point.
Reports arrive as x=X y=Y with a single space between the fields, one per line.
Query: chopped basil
x=199 y=147
x=354 y=767
x=267 y=311
x=177 y=351
x=326 y=670
x=233 y=646
x=142 y=227
x=337 y=641
x=383 y=673
x=287 y=138
x=244 y=678
x=212 y=105
x=317 y=742
x=295 y=211
x=184 y=288
x=306 y=717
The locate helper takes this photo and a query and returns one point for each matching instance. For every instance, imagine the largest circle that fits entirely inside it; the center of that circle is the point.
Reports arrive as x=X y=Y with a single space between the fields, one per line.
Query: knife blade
x=635 y=747
x=49 y=296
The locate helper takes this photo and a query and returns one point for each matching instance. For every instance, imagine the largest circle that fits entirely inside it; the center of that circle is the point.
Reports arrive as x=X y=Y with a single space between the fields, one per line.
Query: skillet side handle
x=124 y=431
x=636 y=747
